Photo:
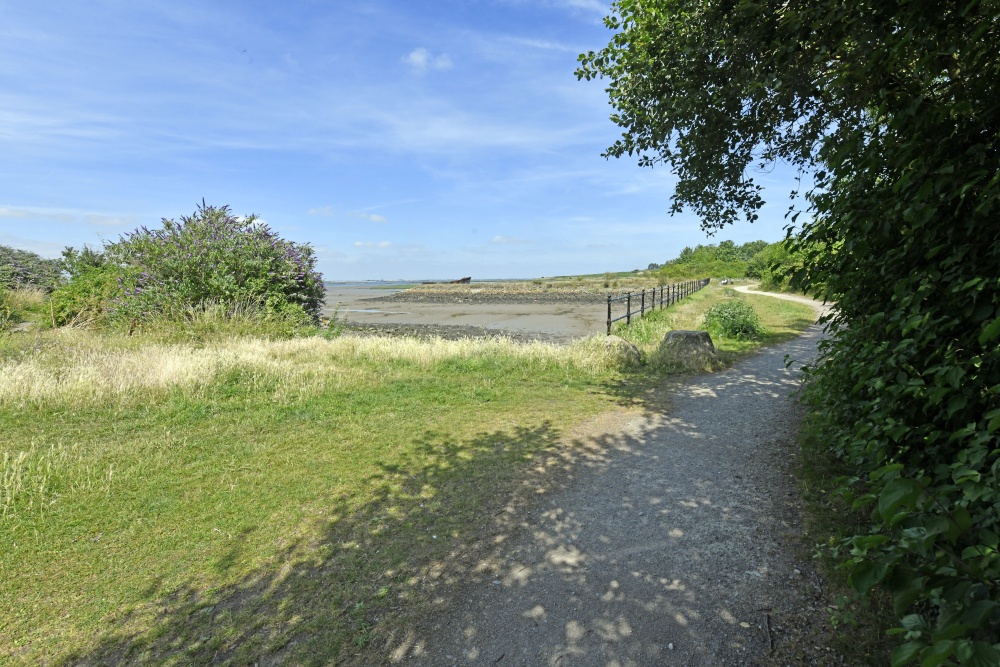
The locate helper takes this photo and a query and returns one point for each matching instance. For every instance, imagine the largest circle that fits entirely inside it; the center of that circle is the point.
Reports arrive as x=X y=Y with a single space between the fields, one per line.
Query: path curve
x=676 y=546
x=822 y=307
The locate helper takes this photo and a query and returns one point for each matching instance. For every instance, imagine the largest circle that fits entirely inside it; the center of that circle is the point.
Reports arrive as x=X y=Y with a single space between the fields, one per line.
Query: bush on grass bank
x=208 y=262
x=21 y=268
x=734 y=318
x=87 y=297
x=7 y=315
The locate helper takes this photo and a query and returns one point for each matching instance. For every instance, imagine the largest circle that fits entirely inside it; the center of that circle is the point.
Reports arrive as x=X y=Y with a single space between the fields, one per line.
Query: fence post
x=628 y=308
x=642 y=308
x=609 y=314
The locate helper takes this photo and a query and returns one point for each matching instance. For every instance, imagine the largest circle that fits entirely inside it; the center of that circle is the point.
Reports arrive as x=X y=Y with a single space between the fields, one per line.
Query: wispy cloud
x=370 y=217
x=544 y=44
x=372 y=244
x=420 y=60
x=49 y=215
x=36 y=215
x=110 y=220
x=329 y=212
x=508 y=240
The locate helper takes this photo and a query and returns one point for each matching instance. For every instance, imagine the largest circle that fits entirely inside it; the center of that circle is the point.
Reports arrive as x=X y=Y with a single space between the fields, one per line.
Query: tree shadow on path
x=325 y=598
x=670 y=543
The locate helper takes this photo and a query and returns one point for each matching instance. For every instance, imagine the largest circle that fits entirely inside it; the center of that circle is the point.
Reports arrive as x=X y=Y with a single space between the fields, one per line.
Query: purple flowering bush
x=21 y=268
x=213 y=259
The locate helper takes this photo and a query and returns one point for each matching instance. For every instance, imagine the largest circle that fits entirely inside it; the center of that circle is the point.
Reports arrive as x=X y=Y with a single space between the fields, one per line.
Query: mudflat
x=553 y=317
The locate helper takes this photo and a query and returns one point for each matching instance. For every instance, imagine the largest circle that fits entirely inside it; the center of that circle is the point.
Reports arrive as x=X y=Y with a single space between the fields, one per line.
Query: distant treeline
x=771 y=263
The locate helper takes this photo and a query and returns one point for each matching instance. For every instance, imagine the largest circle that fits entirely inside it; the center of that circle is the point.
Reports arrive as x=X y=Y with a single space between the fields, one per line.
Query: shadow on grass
x=430 y=516
x=437 y=519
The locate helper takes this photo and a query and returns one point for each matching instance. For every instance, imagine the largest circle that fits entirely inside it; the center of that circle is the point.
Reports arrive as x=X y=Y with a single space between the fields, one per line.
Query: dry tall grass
x=81 y=368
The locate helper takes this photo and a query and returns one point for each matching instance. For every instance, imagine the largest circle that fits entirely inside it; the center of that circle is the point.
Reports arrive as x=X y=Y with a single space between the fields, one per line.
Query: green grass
x=279 y=511
x=27 y=304
x=782 y=321
x=228 y=501
x=858 y=628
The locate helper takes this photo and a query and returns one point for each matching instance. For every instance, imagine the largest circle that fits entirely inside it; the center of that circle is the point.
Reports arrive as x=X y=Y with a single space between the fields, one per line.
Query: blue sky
x=401 y=139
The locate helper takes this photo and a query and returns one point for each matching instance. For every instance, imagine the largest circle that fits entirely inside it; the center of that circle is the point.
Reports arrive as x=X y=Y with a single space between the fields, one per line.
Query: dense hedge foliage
x=778 y=267
x=212 y=259
x=20 y=268
x=893 y=107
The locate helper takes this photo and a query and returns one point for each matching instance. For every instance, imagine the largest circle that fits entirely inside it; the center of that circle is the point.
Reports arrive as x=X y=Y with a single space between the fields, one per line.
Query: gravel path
x=675 y=546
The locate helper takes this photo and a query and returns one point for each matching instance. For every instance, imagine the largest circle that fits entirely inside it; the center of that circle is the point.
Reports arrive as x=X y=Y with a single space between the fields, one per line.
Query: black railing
x=659 y=297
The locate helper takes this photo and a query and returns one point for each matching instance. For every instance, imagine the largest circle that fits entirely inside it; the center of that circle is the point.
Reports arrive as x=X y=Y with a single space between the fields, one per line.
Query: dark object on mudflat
x=486 y=296
x=460 y=281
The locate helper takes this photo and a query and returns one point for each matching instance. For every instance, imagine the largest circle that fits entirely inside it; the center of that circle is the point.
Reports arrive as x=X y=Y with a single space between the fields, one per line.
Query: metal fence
x=648 y=300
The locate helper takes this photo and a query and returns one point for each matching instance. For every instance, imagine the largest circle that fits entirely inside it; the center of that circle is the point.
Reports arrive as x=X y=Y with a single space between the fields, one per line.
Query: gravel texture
x=674 y=539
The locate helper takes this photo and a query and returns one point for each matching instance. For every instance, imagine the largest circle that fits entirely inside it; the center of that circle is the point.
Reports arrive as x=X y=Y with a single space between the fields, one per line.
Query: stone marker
x=689 y=349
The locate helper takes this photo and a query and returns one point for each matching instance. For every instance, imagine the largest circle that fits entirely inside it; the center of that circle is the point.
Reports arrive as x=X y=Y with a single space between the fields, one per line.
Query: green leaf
x=991 y=331
x=899 y=493
x=866 y=574
x=963 y=475
x=906 y=653
x=977 y=612
x=938 y=654
x=978 y=654
x=994 y=424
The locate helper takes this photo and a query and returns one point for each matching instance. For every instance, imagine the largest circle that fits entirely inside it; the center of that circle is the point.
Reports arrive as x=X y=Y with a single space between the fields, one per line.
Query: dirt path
x=820 y=307
x=674 y=547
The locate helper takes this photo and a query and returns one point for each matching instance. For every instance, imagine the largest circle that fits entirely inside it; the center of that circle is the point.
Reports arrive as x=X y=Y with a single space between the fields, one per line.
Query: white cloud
x=110 y=220
x=328 y=212
x=372 y=244
x=510 y=240
x=588 y=5
x=545 y=45
x=49 y=215
x=35 y=215
x=370 y=217
x=420 y=60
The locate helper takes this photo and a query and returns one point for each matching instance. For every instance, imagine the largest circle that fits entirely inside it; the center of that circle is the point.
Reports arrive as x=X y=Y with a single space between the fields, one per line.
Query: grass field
x=783 y=320
x=227 y=501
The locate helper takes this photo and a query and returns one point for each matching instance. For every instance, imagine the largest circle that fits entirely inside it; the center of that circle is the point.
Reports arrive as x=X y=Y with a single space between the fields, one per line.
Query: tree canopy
x=892 y=110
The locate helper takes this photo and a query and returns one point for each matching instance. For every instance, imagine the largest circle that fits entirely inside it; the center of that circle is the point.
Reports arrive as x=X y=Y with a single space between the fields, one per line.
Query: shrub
x=734 y=318
x=87 y=297
x=75 y=262
x=213 y=259
x=7 y=315
x=20 y=268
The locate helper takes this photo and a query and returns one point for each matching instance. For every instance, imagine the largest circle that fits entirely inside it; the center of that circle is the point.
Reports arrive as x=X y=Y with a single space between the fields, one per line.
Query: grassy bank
x=782 y=320
x=226 y=501
x=830 y=518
